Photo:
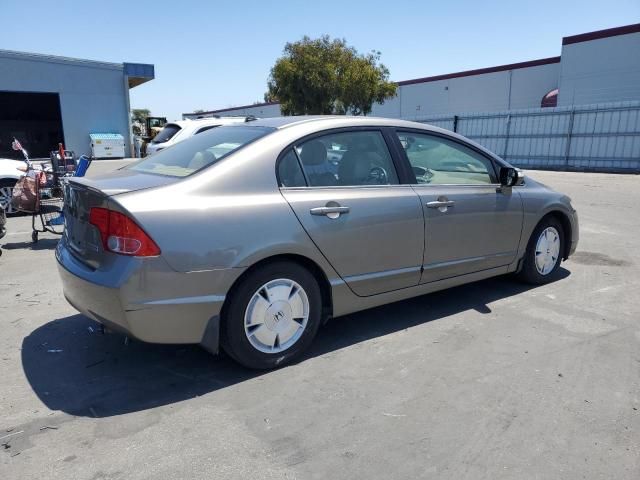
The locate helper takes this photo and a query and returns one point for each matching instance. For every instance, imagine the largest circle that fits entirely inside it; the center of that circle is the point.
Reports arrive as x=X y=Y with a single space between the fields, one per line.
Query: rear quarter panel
x=230 y=215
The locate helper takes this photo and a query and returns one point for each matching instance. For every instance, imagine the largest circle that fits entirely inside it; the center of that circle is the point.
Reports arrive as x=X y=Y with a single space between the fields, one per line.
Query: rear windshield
x=199 y=151
x=166 y=134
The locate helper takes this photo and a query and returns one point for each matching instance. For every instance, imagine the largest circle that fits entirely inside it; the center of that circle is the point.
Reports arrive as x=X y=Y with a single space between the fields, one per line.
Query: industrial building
x=594 y=67
x=47 y=99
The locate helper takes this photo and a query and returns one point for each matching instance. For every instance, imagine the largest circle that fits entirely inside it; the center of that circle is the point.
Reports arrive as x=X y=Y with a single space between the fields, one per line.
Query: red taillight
x=122 y=235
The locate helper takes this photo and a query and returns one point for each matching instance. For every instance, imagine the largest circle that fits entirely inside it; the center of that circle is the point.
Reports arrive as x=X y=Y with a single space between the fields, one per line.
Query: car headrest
x=362 y=143
x=313 y=153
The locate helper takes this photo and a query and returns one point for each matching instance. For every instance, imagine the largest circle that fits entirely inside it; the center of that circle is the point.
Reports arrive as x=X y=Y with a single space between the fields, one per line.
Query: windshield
x=199 y=151
x=167 y=133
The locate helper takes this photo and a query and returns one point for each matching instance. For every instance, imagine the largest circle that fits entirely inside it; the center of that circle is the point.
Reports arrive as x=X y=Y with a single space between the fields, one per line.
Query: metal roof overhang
x=138 y=73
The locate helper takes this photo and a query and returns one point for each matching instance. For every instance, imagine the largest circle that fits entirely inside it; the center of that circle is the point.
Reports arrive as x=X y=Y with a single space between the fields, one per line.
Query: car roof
x=326 y=121
x=199 y=122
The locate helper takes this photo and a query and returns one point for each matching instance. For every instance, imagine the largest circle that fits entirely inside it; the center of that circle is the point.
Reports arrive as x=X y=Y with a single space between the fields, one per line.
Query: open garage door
x=34 y=119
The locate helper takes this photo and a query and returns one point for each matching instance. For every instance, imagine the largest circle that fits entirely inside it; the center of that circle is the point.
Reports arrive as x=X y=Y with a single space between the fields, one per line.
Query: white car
x=9 y=175
x=175 y=132
x=10 y=171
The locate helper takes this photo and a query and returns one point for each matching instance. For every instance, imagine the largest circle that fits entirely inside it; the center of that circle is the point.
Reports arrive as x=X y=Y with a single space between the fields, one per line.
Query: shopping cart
x=35 y=195
x=40 y=194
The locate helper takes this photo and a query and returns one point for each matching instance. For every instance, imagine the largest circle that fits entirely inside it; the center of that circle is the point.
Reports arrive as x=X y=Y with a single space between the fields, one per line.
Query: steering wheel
x=378 y=176
x=423 y=173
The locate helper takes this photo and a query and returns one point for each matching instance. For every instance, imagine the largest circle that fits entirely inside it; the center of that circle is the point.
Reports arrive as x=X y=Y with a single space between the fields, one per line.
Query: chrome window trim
x=433 y=185
x=346 y=187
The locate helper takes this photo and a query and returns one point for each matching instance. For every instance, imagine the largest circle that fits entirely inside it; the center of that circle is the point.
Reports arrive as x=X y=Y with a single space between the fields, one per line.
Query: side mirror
x=511 y=177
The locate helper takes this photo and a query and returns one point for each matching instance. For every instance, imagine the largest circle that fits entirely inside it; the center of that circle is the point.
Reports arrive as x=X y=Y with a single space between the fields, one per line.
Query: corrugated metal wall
x=603 y=137
x=93 y=95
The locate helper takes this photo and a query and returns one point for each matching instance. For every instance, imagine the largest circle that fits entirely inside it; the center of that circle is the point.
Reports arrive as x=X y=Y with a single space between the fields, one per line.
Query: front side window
x=347 y=159
x=440 y=161
x=199 y=151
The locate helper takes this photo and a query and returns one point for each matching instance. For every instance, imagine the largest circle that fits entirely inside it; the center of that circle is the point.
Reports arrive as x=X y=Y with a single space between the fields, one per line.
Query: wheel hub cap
x=276 y=316
x=547 y=250
x=5 y=199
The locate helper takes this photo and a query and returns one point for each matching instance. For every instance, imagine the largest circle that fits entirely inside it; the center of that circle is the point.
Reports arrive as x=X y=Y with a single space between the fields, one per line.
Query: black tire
x=233 y=338
x=529 y=272
x=4 y=184
x=34 y=236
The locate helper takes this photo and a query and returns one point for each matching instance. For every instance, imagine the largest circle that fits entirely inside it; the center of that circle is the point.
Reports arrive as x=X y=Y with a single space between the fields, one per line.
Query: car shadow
x=74 y=368
x=41 y=244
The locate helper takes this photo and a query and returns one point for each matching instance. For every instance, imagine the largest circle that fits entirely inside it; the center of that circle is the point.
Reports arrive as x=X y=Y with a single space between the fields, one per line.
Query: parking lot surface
x=493 y=380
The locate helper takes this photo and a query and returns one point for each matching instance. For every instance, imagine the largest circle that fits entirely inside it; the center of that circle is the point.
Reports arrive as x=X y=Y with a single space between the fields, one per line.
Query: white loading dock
x=46 y=99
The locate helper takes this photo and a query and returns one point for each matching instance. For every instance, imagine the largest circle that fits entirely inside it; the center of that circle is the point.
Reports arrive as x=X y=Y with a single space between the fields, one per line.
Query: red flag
x=17 y=146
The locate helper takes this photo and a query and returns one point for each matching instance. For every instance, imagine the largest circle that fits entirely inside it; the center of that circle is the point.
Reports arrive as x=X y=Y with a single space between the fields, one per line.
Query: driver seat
x=355 y=166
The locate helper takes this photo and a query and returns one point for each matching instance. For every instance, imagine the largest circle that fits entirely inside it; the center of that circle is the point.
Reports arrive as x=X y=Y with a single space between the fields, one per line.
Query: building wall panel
x=92 y=97
x=601 y=70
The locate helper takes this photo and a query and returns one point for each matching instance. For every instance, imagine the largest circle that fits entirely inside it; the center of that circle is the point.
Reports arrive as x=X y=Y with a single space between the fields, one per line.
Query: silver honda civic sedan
x=248 y=237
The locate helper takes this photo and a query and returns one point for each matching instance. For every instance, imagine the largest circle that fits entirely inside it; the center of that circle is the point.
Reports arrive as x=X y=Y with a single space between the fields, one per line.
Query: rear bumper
x=148 y=300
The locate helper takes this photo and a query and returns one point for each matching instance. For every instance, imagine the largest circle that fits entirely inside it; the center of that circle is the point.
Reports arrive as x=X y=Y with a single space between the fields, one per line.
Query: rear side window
x=440 y=161
x=289 y=171
x=167 y=133
x=355 y=158
x=199 y=151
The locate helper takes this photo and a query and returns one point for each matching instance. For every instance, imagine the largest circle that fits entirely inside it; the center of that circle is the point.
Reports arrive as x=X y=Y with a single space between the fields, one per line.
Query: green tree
x=325 y=76
x=139 y=115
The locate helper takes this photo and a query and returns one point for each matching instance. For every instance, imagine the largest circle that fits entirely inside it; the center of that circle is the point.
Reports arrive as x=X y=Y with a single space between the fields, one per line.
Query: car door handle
x=331 y=212
x=441 y=203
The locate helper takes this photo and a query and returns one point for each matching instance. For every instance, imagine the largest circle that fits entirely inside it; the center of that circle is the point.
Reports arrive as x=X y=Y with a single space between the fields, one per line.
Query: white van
x=175 y=132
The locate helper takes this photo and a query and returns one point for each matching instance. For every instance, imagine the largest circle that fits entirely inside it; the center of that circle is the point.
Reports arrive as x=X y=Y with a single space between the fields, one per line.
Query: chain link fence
x=600 y=137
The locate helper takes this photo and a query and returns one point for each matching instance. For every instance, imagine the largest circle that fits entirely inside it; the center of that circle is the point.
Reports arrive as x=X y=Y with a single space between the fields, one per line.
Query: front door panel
x=477 y=228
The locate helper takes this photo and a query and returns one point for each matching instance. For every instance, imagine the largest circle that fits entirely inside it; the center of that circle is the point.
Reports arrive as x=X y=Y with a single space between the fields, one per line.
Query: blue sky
x=216 y=54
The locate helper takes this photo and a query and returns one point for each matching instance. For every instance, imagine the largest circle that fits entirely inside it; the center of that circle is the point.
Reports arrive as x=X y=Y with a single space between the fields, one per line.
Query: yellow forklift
x=152 y=126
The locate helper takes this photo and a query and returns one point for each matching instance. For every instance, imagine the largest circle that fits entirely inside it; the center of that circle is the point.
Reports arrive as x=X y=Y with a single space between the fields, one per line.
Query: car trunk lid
x=123 y=181
x=82 y=194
